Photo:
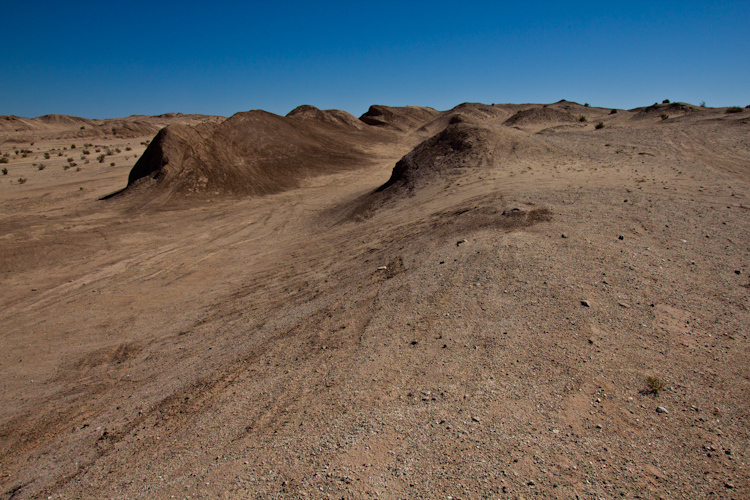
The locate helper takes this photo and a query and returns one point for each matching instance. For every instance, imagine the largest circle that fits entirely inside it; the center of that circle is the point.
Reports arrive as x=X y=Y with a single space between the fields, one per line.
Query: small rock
x=586 y=303
x=598 y=426
x=564 y=235
x=459 y=242
x=738 y=271
x=623 y=304
x=475 y=419
x=661 y=409
x=383 y=268
x=621 y=237
x=728 y=485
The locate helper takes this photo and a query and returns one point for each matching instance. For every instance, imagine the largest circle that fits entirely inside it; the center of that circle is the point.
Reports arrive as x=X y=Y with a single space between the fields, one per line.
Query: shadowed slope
x=402 y=119
x=253 y=153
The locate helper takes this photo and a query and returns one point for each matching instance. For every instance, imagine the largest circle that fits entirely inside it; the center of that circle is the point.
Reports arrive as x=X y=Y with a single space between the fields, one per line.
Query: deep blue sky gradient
x=104 y=60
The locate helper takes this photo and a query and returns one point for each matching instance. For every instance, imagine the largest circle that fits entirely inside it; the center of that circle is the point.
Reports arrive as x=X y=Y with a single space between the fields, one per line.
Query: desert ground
x=494 y=301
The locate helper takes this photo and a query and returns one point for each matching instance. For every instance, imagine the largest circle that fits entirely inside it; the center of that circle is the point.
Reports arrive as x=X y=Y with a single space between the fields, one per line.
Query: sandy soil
x=505 y=328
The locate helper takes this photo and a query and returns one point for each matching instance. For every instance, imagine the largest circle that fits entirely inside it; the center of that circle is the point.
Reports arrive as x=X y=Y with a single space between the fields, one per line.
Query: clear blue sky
x=110 y=59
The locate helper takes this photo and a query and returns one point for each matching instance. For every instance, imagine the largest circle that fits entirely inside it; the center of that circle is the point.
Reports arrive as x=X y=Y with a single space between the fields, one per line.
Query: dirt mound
x=10 y=123
x=467 y=112
x=332 y=116
x=63 y=120
x=540 y=116
x=126 y=129
x=457 y=147
x=251 y=153
x=403 y=119
x=656 y=110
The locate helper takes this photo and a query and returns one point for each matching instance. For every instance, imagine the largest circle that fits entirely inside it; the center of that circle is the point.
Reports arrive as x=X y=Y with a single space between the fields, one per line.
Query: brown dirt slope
x=538 y=115
x=402 y=119
x=459 y=145
x=252 y=153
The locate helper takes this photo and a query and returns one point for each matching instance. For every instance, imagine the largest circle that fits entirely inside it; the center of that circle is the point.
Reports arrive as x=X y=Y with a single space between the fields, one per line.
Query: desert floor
x=444 y=345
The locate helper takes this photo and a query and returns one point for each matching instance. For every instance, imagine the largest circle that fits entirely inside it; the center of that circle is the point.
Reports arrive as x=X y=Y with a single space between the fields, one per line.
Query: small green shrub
x=702 y=104
x=86 y=152
x=582 y=119
x=46 y=156
x=72 y=146
x=586 y=104
x=112 y=164
x=21 y=180
x=5 y=171
x=665 y=101
x=613 y=112
x=599 y=125
x=734 y=109
x=66 y=167
x=59 y=153
x=128 y=148
x=41 y=166
x=664 y=116
x=100 y=158
x=4 y=159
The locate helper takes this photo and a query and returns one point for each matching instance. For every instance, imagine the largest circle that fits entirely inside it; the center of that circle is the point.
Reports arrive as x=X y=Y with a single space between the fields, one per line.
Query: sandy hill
x=413 y=304
x=253 y=152
x=14 y=129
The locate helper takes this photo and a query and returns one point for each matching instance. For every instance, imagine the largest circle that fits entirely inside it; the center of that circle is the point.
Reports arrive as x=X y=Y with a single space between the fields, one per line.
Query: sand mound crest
x=10 y=123
x=467 y=112
x=656 y=110
x=332 y=116
x=126 y=129
x=251 y=153
x=63 y=120
x=540 y=116
x=403 y=119
x=458 y=146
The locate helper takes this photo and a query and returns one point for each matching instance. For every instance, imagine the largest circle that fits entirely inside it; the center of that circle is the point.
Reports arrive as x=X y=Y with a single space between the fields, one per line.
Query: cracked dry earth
x=256 y=348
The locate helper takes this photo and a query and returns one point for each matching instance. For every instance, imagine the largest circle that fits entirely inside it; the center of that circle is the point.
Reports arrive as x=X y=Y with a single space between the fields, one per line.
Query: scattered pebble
x=383 y=268
x=661 y=409
x=586 y=303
